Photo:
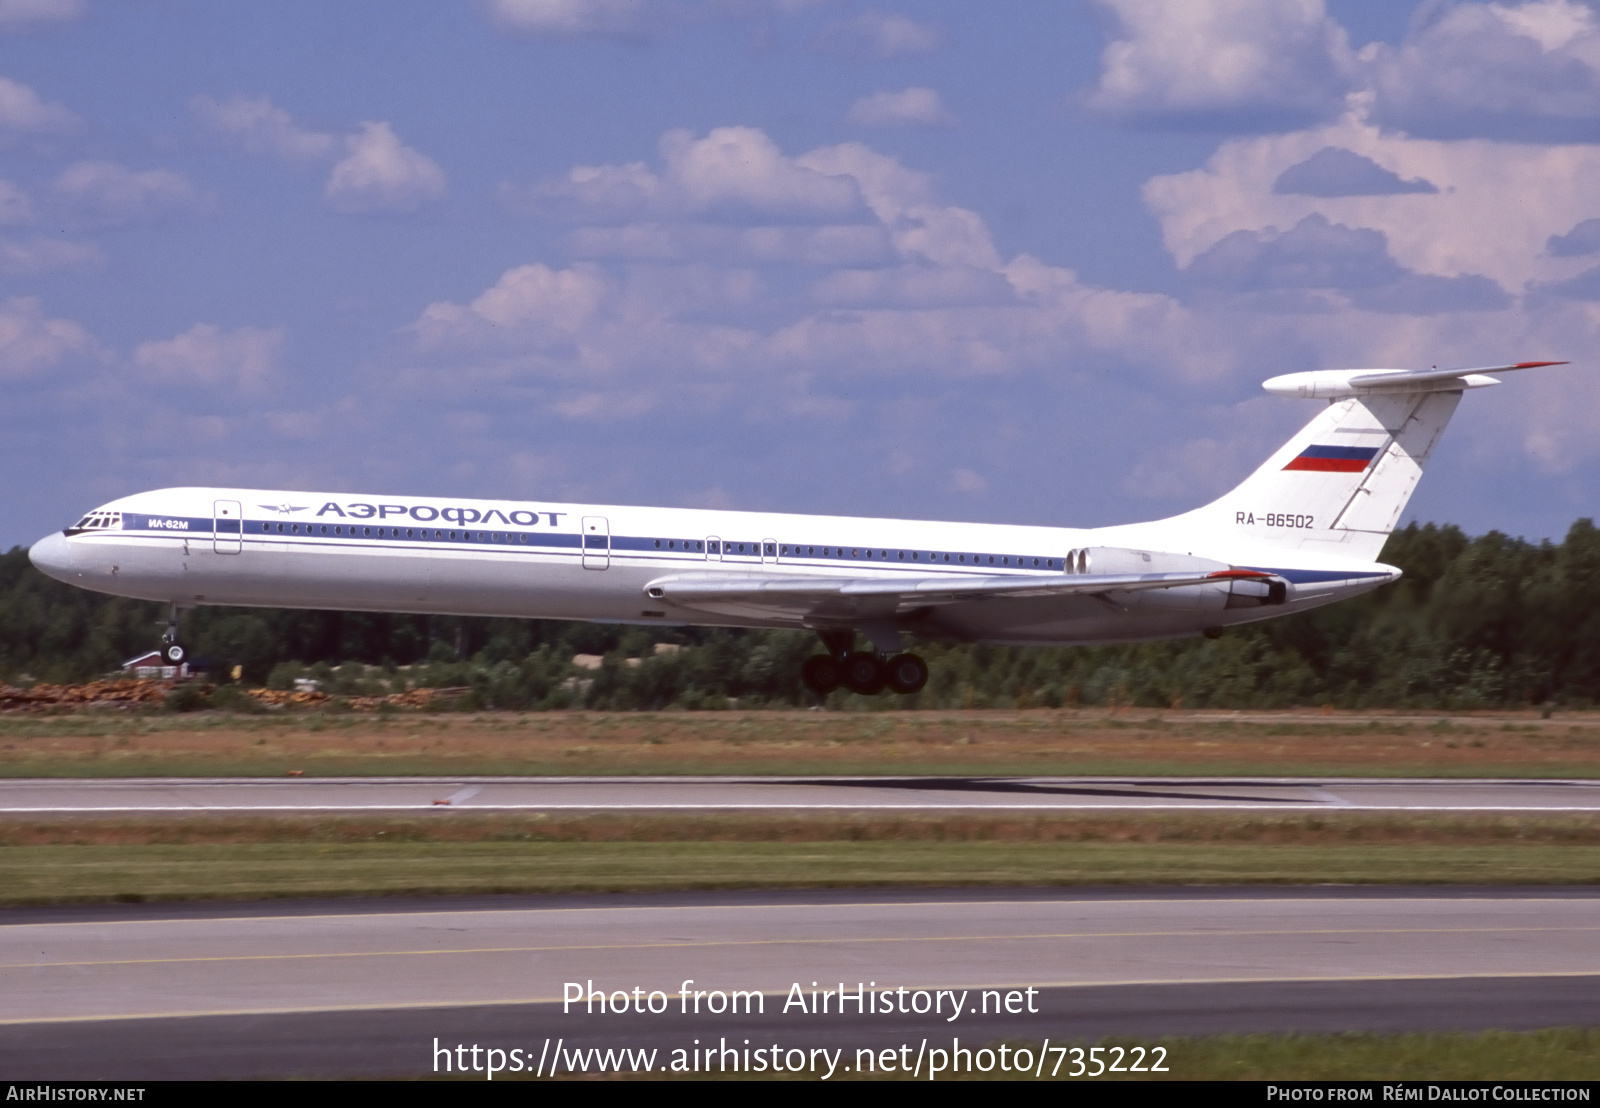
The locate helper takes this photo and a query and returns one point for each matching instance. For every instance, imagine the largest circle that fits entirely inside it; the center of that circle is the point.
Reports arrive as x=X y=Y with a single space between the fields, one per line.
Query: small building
x=154 y=665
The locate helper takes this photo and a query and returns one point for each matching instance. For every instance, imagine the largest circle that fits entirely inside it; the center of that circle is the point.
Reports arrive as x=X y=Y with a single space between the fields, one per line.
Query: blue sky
x=1021 y=263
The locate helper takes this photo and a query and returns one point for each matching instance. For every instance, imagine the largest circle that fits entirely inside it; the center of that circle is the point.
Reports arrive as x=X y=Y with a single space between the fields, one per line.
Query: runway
x=132 y=796
x=366 y=987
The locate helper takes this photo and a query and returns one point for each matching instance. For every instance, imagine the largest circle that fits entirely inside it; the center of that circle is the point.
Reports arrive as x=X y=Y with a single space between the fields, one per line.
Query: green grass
x=103 y=744
x=1559 y=1054
x=56 y=874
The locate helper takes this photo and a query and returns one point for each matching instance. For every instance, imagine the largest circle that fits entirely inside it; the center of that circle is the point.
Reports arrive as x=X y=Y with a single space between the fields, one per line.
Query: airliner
x=1304 y=530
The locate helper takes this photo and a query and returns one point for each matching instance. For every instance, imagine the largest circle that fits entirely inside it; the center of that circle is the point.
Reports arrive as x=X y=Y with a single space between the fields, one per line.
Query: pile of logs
x=128 y=692
x=120 y=693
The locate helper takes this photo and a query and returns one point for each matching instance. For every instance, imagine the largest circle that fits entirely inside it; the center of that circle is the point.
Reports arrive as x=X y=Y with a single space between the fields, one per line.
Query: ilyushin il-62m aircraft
x=1302 y=531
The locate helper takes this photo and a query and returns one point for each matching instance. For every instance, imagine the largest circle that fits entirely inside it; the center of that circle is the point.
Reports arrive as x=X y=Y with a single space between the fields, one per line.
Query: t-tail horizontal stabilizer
x=1336 y=384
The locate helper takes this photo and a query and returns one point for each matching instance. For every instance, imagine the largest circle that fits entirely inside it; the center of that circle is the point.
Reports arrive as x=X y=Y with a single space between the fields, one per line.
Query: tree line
x=1475 y=622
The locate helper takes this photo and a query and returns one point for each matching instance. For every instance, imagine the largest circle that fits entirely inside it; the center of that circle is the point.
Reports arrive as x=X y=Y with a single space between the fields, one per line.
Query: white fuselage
x=590 y=562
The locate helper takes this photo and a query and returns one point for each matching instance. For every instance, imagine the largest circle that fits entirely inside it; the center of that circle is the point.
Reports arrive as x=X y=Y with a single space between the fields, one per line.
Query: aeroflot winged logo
x=1334 y=459
x=283 y=509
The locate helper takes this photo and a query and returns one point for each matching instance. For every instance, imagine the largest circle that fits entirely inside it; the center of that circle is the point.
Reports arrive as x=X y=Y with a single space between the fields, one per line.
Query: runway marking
x=505 y=1002
x=1065 y=900
x=840 y=941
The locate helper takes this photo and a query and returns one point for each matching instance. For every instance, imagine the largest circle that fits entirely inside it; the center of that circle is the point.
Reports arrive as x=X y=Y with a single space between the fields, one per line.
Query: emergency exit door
x=227 y=526
x=596 y=542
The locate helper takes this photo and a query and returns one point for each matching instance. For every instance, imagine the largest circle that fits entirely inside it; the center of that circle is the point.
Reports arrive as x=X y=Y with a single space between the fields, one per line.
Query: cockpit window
x=97 y=520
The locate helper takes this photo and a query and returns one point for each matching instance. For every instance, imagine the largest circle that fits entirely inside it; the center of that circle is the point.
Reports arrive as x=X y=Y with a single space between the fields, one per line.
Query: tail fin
x=1339 y=486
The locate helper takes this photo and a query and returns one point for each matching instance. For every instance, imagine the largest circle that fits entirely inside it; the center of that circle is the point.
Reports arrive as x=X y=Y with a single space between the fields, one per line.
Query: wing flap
x=844 y=597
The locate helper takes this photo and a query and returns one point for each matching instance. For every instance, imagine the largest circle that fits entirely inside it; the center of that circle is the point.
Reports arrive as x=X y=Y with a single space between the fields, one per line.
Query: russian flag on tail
x=1334 y=459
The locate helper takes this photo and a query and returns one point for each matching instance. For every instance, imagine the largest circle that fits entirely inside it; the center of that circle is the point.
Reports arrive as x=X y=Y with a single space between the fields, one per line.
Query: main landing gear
x=863 y=672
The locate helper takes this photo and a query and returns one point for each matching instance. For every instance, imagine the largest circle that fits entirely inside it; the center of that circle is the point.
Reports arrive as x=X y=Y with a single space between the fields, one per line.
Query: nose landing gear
x=172 y=651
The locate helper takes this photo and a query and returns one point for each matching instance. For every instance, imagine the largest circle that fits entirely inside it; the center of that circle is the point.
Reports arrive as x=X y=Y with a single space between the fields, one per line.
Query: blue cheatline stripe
x=1341 y=453
x=650 y=549
x=1316 y=576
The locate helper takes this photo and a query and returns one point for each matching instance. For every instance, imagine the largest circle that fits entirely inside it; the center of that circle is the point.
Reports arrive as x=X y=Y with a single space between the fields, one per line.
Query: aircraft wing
x=814 y=597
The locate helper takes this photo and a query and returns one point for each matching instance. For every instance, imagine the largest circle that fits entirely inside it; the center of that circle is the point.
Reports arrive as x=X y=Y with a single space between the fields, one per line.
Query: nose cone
x=53 y=555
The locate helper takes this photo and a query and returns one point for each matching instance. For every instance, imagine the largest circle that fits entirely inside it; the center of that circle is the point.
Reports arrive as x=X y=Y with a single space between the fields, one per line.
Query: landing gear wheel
x=174 y=653
x=906 y=673
x=863 y=673
x=822 y=673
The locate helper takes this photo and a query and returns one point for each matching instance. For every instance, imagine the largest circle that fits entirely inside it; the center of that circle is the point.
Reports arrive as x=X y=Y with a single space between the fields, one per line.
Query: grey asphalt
x=366 y=987
x=499 y=794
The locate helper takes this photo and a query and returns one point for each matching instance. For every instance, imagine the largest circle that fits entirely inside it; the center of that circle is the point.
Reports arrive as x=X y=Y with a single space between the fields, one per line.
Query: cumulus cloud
x=836 y=245
x=377 y=174
x=735 y=173
x=24 y=114
x=1192 y=468
x=95 y=193
x=31 y=257
x=15 y=207
x=968 y=482
x=1585 y=286
x=1334 y=171
x=912 y=287
x=259 y=126
x=1496 y=207
x=1525 y=72
x=707 y=316
x=878 y=36
x=1582 y=239
x=31 y=342
x=912 y=107
x=245 y=358
x=1224 y=64
x=380 y=174
x=856 y=200
x=529 y=306
x=1518 y=72
x=26 y=15
x=574 y=18
x=1318 y=255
